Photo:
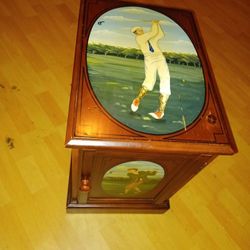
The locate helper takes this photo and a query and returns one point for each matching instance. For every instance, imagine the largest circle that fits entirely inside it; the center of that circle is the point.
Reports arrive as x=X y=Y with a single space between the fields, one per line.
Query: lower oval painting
x=132 y=178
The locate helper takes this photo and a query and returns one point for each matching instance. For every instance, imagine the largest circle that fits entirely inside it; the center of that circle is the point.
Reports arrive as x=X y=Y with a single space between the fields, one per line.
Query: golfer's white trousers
x=157 y=64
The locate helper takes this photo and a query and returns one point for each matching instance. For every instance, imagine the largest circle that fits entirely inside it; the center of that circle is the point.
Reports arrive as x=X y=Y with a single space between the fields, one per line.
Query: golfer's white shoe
x=157 y=115
x=135 y=105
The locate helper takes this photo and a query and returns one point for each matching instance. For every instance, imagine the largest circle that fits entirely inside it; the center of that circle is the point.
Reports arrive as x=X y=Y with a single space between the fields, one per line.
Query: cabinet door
x=134 y=178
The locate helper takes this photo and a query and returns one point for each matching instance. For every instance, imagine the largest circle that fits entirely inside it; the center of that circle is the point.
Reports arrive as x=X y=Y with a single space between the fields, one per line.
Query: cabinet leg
x=75 y=163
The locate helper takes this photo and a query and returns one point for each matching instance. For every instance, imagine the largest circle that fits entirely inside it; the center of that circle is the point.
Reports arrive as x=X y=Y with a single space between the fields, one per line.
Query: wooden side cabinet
x=145 y=114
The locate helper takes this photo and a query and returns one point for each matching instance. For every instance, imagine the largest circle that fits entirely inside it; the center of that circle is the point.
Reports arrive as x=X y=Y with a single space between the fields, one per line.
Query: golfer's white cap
x=135 y=28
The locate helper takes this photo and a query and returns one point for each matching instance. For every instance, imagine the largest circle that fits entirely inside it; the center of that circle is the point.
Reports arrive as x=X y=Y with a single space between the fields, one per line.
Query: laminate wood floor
x=37 y=39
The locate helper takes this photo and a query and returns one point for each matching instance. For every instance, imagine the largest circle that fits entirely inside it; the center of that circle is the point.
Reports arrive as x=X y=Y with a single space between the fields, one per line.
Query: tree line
x=171 y=57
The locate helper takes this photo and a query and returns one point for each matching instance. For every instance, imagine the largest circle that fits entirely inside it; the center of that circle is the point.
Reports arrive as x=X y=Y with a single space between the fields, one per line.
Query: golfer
x=155 y=62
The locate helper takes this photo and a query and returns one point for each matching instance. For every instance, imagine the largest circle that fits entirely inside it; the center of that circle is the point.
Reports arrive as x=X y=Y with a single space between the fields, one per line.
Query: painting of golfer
x=136 y=179
x=133 y=178
x=144 y=71
x=155 y=63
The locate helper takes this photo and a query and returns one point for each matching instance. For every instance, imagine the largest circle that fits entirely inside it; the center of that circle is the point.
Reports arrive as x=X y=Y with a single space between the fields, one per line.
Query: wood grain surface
x=37 y=42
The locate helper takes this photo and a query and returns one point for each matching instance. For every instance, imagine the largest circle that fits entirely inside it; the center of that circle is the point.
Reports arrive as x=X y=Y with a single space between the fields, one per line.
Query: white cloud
x=103 y=33
x=168 y=23
x=135 y=11
x=119 y=19
x=180 y=42
x=114 y=38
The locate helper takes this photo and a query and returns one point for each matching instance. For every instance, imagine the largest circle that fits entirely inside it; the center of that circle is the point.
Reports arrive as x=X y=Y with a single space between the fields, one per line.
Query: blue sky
x=114 y=28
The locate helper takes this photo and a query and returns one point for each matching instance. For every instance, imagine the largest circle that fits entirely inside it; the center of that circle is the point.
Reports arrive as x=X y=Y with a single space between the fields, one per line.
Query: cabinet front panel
x=133 y=178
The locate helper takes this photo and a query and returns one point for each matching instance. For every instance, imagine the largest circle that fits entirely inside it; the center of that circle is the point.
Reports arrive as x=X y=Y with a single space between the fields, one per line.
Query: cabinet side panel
x=185 y=174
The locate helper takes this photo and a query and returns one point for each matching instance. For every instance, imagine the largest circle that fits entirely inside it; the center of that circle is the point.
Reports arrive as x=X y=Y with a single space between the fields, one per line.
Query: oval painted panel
x=145 y=71
x=133 y=178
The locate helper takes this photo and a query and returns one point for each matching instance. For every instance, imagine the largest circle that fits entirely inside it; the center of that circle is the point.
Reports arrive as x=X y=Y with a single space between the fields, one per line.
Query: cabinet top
x=120 y=50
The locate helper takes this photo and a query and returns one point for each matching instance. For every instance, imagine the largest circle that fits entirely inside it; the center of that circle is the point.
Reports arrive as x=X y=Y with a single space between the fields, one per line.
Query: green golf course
x=117 y=186
x=116 y=81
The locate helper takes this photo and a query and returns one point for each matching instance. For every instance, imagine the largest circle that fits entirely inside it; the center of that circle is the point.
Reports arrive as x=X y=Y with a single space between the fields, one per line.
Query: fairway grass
x=116 y=188
x=116 y=81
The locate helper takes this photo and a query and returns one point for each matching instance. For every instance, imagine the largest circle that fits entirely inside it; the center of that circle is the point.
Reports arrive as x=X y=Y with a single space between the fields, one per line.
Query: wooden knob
x=211 y=119
x=85 y=185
